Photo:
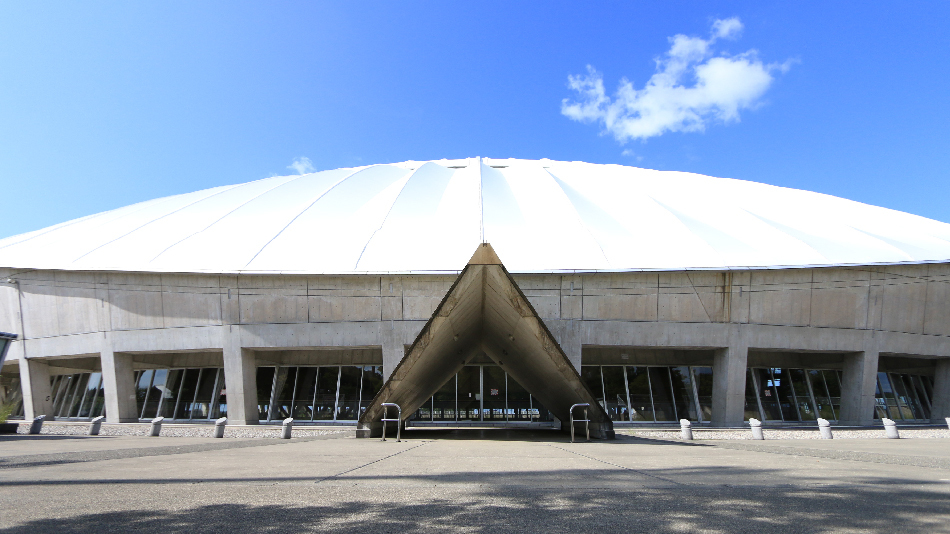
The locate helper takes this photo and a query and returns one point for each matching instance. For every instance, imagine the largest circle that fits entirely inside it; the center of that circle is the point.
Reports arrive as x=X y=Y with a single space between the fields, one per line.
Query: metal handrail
x=398 y=421
x=585 y=420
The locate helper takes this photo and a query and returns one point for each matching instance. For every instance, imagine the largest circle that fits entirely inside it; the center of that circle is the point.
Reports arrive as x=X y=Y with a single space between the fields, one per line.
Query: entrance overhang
x=485 y=312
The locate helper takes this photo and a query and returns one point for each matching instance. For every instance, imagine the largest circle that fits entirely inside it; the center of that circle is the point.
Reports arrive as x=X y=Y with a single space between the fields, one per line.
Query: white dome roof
x=540 y=216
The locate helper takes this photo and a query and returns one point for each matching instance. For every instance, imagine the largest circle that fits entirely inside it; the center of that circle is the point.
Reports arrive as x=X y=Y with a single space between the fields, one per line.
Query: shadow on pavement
x=541 y=501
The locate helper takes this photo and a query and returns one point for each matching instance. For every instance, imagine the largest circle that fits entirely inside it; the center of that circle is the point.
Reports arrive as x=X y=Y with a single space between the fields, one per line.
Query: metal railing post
x=585 y=420
x=398 y=419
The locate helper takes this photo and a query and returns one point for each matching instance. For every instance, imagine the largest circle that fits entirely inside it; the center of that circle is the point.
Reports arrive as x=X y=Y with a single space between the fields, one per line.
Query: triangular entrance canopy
x=486 y=312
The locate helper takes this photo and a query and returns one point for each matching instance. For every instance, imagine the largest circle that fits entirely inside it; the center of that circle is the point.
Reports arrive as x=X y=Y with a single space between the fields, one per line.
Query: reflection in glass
x=519 y=403
x=265 y=384
x=822 y=399
x=284 y=393
x=324 y=402
x=443 y=402
x=187 y=393
x=615 y=393
x=494 y=393
x=469 y=393
x=641 y=402
x=220 y=404
x=348 y=400
x=683 y=393
x=154 y=396
x=704 y=388
x=89 y=395
x=752 y=407
x=372 y=383
x=303 y=393
x=662 y=394
x=170 y=393
x=201 y=409
x=142 y=384
x=783 y=389
x=771 y=409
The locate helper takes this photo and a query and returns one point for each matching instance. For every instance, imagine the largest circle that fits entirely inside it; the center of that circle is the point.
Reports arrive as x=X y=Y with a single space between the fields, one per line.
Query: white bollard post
x=37 y=425
x=824 y=428
x=948 y=422
x=686 y=429
x=156 y=426
x=756 y=426
x=287 y=428
x=96 y=425
x=219 y=427
x=890 y=429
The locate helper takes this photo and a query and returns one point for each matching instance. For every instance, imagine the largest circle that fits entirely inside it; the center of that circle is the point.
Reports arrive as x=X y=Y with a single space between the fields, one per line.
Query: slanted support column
x=240 y=378
x=34 y=383
x=729 y=373
x=118 y=381
x=859 y=381
x=940 y=407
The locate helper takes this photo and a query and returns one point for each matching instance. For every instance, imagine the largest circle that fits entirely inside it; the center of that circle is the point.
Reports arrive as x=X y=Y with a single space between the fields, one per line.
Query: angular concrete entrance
x=486 y=313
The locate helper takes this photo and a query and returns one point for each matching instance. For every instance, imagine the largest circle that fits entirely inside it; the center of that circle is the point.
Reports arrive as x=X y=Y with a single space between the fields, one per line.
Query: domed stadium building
x=482 y=292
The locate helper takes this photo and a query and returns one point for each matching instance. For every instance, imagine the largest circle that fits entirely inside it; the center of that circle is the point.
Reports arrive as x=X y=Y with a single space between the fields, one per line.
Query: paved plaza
x=471 y=481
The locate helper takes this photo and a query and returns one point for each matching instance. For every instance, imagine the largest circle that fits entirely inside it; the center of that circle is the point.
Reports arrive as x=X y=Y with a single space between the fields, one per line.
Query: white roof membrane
x=540 y=216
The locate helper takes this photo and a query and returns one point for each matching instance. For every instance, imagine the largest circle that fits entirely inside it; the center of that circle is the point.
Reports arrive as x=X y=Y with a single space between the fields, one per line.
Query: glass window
x=142 y=383
x=71 y=406
x=372 y=383
x=786 y=397
x=833 y=383
x=662 y=394
x=348 y=401
x=186 y=394
x=11 y=394
x=469 y=393
x=201 y=409
x=519 y=402
x=704 y=389
x=154 y=395
x=641 y=402
x=495 y=392
x=771 y=409
x=170 y=393
x=591 y=376
x=615 y=392
x=443 y=402
x=683 y=393
x=284 y=393
x=304 y=393
x=220 y=404
x=265 y=385
x=823 y=407
x=752 y=406
x=907 y=404
x=917 y=384
x=324 y=404
x=89 y=395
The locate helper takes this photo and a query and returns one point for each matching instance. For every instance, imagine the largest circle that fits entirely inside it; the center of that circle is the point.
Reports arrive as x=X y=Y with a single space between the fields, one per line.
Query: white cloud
x=722 y=85
x=302 y=165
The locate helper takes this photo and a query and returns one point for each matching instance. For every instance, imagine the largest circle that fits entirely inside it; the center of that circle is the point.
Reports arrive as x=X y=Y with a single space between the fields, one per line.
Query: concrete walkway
x=471 y=481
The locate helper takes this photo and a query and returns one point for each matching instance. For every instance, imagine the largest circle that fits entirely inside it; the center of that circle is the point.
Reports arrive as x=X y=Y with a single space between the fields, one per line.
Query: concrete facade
x=853 y=319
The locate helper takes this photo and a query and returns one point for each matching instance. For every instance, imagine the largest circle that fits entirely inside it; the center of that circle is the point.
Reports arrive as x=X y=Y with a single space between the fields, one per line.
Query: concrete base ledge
x=195 y=430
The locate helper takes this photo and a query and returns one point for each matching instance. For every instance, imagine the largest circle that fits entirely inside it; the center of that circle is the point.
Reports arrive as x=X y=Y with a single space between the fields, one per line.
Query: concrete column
x=240 y=379
x=34 y=383
x=940 y=404
x=118 y=382
x=859 y=381
x=729 y=372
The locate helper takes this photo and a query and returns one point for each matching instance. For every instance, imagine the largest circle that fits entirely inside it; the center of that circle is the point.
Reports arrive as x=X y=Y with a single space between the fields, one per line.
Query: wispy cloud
x=302 y=165
x=721 y=86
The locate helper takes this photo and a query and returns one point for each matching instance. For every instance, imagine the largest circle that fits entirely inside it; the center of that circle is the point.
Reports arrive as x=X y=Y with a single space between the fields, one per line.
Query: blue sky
x=107 y=104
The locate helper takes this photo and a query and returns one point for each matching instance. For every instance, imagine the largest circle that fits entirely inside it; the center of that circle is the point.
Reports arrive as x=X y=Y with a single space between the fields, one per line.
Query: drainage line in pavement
x=617 y=465
x=369 y=463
